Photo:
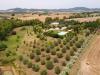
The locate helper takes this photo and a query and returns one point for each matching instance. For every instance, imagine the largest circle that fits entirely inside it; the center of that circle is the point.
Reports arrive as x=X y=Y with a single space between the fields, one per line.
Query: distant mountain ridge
x=76 y=9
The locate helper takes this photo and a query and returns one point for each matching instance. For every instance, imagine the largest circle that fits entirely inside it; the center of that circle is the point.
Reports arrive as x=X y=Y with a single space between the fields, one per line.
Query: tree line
x=6 y=26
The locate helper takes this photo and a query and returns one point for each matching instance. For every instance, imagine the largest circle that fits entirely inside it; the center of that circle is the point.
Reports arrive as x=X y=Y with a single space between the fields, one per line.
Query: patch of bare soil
x=90 y=60
x=42 y=17
x=88 y=19
x=9 y=69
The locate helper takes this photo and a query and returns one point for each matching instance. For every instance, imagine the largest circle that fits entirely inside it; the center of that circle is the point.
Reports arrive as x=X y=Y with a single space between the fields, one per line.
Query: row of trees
x=59 y=48
x=80 y=15
x=6 y=26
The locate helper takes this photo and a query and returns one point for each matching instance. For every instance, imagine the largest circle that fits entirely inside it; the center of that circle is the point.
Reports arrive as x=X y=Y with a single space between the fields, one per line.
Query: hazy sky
x=50 y=4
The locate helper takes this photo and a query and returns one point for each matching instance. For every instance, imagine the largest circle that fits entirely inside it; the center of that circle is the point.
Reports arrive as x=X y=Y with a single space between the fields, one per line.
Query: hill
x=76 y=9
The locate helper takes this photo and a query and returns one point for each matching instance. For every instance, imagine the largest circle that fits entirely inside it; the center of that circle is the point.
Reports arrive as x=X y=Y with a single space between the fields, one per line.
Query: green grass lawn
x=14 y=40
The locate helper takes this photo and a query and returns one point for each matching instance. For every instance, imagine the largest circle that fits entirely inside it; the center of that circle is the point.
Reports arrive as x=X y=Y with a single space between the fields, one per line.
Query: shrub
x=25 y=61
x=74 y=48
x=29 y=65
x=33 y=51
x=81 y=41
x=32 y=56
x=57 y=49
x=73 y=40
x=57 y=70
x=67 y=39
x=56 y=43
x=71 y=43
x=63 y=63
x=37 y=58
x=42 y=62
x=64 y=42
x=35 y=41
x=87 y=33
x=59 y=55
x=42 y=49
x=20 y=57
x=67 y=57
x=2 y=46
x=78 y=45
x=48 y=57
x=34 y=46
x=7 y=60
x=35 y=67
x=76 y=38
x=43 y=72
x=49 y=65
x=13 y=14
x=42 y=37
x=53 y=52
x=64 y=50
x=38 y=35
x=66 y=73
x=37 y=51
x=71 y=52
x=59 y=41
x=47 y=50
x=61 y=45
x=68 y=47
x=55 y=60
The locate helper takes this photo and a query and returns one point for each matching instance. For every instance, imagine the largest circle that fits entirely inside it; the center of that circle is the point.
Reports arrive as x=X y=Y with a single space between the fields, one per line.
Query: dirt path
x=90 y=61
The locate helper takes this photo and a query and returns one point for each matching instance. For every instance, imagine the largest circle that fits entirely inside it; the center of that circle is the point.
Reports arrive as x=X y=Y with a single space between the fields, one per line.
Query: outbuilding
x=55 y=23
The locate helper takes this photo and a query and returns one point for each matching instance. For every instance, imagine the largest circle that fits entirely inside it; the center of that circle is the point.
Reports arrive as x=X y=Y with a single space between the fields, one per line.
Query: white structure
x=63 y=28
x=54 y=29
x=62 y=33
x=55 y=23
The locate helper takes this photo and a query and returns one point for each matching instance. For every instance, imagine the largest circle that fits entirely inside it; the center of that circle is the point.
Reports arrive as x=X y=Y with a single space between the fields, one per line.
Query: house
x=63 y=28
x=55 y=23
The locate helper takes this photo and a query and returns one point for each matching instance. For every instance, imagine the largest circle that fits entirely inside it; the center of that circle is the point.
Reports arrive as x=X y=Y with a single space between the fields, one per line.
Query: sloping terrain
x=88 y=19
x=90 y=61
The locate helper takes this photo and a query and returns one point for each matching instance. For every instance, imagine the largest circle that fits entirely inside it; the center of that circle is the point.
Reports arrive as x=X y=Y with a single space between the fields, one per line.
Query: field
x=26 y=49
x=43 y=17
x=89 y=63
x=88 y=19
x=40 y=16
x=35 y=47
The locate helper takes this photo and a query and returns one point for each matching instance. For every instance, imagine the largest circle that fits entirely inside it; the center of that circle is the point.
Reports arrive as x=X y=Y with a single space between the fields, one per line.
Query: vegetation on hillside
x=42 y=48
